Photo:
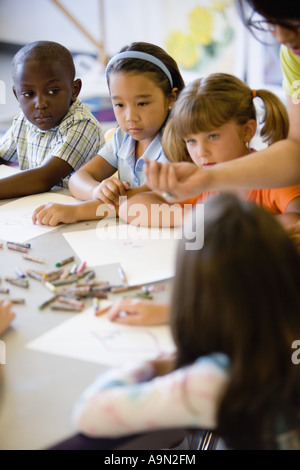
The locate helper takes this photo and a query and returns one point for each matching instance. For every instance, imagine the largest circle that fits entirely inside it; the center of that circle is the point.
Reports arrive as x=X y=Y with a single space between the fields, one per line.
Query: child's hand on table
x=54 y=214
x=110 y=189
x=137 y=312
x=6 y=315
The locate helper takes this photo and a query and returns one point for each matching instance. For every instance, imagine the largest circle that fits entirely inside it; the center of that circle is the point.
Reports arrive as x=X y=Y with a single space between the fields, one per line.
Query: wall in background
x=204 y=36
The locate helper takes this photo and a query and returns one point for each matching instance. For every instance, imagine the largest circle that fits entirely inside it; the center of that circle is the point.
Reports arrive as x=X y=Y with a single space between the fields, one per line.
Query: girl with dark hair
x=143 y=82
x=234 y=318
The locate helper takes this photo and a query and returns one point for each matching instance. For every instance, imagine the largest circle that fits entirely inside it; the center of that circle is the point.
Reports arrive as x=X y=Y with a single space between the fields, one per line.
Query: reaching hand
x=176 y=181
x=110 y=189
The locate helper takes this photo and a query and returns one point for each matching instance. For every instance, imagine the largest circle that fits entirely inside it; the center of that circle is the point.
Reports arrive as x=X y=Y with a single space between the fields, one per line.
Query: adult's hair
x=44 y=51
x=143 y=66
x=240 y=295
x=275 y=10
x=210 y=102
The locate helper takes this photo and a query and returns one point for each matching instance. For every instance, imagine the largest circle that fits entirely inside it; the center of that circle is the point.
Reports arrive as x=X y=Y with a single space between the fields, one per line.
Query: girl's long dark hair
x=240 y=295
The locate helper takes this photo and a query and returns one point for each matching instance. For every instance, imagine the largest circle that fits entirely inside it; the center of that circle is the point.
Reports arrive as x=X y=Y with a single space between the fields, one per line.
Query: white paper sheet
x=6 y=171
x=96 y=339
x=16 y=217
x=146 y=255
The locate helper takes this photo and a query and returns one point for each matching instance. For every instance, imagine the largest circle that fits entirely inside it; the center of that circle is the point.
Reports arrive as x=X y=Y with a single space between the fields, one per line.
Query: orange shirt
x=274 y=200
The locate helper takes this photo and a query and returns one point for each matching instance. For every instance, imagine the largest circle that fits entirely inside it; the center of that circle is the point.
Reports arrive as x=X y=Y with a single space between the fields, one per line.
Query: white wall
x=24 y=21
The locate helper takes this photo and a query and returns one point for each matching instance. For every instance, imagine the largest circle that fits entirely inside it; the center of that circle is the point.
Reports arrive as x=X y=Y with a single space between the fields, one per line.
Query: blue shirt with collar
x=119 y=152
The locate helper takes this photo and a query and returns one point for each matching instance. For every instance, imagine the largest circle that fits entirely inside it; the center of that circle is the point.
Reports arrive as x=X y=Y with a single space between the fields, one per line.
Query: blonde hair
x=210 y=102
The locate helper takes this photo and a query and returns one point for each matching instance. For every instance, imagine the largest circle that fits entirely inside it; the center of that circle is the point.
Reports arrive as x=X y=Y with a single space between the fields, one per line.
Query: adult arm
x=275 y=166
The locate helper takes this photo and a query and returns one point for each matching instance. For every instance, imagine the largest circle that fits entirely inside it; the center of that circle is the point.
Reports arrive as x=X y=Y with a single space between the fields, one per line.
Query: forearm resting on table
x=93 y=210
x=36 y=180
x=82 y=184
x=150 y=210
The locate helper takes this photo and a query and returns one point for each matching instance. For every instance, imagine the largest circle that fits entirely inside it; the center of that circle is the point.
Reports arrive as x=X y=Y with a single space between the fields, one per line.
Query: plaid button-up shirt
x=75 y=140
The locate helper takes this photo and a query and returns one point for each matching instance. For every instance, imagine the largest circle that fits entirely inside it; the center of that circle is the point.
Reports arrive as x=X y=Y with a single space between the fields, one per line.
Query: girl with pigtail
x=213 y=121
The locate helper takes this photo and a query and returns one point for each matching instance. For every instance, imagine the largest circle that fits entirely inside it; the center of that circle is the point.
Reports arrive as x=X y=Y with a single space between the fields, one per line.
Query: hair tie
x=139 y=55
x=254 y=94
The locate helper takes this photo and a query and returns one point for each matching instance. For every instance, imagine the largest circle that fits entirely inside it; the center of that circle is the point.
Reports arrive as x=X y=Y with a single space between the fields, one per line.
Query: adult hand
x=176 y=181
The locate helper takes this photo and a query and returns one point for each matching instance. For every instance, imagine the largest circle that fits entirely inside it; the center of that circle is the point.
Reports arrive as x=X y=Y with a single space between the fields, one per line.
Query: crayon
x=22 y=245
x=89 y=275
x=33 y=258
x=47 y=302
x=116 y=290
x=50 y=286
x=3 y=290
x=65 y=274
x=65 y=261
x=17 y=301
x=67 y=308
x=17 y=281
x=122 y=275
x=10 y=246
x=69 y=301
x=34 y=275
x=81 y=267
x=52 y=276
x=19 y=272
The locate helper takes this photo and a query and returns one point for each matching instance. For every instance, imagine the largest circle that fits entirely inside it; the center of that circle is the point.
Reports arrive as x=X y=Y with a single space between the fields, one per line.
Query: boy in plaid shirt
x=55 y=134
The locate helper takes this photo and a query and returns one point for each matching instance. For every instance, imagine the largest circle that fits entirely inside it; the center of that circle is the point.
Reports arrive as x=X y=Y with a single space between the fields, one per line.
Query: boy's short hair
x=44 y=50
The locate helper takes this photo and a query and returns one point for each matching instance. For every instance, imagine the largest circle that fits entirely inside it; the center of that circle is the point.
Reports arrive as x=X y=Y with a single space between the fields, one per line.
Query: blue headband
x=143 y=56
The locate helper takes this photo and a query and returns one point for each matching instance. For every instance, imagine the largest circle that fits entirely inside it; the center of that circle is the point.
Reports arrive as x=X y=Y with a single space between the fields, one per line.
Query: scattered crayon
x=69 y=301
x=47 y=302
x=34 y=275
x=22 y=245
x=33 y=258
x=50 y=286
x=65 y=307
x=3 y=290
x=65 y=261
x=19 y=272
x=10 y=246
x=116 y=290
x=18 y=281
x=81 y=267
x=17 y=301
